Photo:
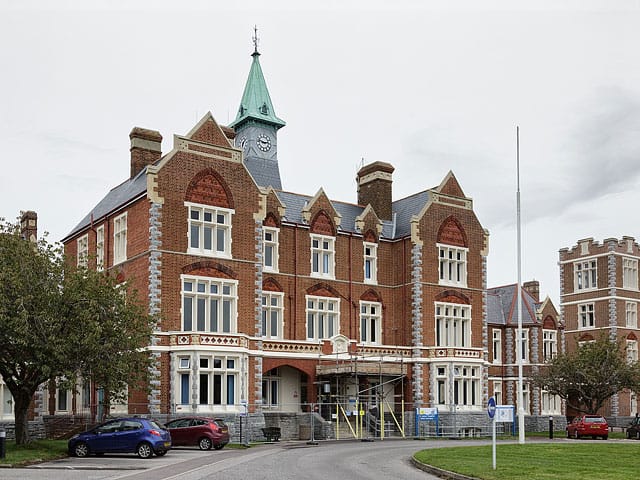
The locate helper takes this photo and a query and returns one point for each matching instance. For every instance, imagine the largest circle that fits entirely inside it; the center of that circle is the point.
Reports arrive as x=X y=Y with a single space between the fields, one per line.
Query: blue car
x=143 y=436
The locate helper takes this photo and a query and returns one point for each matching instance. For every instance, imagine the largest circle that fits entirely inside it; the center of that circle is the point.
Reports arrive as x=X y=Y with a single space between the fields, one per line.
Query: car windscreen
x=594 y=420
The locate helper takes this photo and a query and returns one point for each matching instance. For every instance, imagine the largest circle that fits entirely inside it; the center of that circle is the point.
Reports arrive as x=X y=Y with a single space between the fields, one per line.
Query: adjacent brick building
x=599 y=295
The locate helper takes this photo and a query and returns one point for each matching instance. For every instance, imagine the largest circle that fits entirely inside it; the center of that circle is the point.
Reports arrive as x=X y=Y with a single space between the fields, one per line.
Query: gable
x=208 y=131
x=450 y=186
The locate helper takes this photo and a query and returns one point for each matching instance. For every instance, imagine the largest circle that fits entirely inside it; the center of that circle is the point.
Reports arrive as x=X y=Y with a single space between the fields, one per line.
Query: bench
x=272 y=434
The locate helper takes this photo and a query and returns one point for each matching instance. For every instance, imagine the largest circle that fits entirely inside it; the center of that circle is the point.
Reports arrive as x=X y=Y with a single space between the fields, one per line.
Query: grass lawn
x=36 y=451
x=581 y=459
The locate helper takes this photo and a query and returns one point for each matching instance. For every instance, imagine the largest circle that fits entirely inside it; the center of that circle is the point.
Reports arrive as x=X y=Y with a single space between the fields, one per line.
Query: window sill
x=204 y=253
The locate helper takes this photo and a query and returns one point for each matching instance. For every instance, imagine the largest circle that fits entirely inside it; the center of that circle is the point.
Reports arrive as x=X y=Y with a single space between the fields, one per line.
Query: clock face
x=264 y=142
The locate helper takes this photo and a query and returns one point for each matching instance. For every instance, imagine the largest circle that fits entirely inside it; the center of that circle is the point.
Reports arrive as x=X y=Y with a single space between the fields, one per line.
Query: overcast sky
x=427 y=86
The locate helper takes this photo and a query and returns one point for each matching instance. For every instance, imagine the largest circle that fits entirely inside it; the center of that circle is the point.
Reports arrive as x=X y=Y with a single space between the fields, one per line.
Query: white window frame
x=549 y=344
x=524 y=345
x=370 y=264
x=323 y=255
x=323 y=317
x=631 y=314
x=526 y=398
x=199 y=301
x=203 y=235
x=497 y=391
x=586 y=316
x=120 y=238
x=270 y=247
x=585 y=275
x=370 y=323
x=68 y=398
x=467 y=382
x=82 y=245
x=632 y=351
x=100 y=248
x=630 y=273
x=452 y=265
x=496 y=335
x=271 y=389
x=550 y=404
x=272 y=314
x=7 y=405
x=222 y=374
x=452 y=325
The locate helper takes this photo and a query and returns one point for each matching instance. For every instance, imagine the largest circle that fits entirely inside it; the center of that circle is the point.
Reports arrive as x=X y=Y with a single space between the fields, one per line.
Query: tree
x=586 y=378
x=64 y=323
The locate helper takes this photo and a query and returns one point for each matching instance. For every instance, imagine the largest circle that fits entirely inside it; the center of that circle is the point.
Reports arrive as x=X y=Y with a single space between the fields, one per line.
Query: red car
x=588 y=426
x=201 y=431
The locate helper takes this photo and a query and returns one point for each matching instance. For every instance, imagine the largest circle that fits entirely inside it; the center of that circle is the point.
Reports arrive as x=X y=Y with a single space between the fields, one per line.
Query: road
x=379 y=460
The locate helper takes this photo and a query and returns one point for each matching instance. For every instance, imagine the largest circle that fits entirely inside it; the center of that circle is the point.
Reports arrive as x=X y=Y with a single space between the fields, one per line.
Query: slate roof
x=502 y=306
x=264 y=171
x=117 y=197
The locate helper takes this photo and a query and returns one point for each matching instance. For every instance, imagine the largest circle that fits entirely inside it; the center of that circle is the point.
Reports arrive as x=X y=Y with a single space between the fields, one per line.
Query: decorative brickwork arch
x=632 y=337
x=549 y=323
x=452 y=233
x=323 y=290
x=271 y=285
x=322 y=224
x=208 y=188
x=208 y=268
x=271 y=221
x=586 y=337
x=451 y=296
x=370 y=237
x=371 y=296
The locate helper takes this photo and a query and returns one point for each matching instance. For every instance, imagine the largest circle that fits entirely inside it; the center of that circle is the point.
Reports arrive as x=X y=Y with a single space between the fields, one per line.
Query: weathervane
x=255 y=39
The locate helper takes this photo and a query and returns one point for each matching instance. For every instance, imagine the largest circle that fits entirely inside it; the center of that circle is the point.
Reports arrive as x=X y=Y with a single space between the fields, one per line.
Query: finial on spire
x=255 y=39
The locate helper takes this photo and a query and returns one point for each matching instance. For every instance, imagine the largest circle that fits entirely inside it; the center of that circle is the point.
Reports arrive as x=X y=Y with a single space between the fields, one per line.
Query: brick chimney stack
x=29 y=225
x=146 y=148
x=533 y=287
x=374 y=187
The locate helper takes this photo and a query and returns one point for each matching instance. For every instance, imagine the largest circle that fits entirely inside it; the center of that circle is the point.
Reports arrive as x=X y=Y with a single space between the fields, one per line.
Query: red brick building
x=277 y=299
x=599 y=295
x=540 y=341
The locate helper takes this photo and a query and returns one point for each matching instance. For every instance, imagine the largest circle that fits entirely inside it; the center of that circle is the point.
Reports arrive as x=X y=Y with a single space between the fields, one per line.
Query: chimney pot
x=146 y=148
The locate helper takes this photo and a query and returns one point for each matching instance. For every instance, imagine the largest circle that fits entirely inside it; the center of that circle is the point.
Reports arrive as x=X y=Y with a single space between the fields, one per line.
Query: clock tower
x=256 y=126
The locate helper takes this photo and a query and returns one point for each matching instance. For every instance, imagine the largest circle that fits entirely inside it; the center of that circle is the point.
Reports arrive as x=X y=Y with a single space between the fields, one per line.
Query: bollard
x=3 y=443
x=550 y=427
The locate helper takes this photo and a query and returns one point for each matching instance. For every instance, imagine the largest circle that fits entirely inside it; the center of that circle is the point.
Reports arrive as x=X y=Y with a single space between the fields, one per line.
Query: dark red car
x=593 y=426
x=201 y=431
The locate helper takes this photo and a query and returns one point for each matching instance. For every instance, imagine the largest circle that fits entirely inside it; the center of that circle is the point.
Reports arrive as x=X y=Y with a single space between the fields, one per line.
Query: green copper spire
x=256 y=102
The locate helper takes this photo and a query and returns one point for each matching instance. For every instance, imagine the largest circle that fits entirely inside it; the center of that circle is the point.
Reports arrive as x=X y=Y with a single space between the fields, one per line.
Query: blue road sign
x=491 y=407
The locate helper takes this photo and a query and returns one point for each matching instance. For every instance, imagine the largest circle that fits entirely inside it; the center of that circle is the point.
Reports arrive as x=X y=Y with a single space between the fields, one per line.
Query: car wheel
x=628 y=434
x=144 y=450
x=605 y=437
x=575 y=435
x=204 y=443
x=161 y=453
x=81 y=449
x=638 y=435
x=218 y=446
x=568 y=434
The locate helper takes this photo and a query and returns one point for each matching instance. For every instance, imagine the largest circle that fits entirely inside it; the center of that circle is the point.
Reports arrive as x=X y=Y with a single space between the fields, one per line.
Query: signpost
x=491 y=410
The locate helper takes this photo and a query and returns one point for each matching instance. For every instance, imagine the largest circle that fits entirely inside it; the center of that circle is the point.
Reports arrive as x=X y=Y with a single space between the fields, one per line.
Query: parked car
x=588 y=426
x=201 y=431
x=143 y=436
x=633 y=430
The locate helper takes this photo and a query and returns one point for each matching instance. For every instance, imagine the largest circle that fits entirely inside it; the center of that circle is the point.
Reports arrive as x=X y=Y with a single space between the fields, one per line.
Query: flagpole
x=519 y=294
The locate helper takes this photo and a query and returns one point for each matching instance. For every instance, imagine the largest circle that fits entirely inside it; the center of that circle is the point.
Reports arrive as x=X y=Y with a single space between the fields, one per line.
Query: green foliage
x=589 y=376
x=61 y=323
x=35 y=452
x=583 y=459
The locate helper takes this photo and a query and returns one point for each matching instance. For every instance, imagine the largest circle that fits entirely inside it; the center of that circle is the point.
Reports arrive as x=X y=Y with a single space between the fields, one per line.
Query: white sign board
x=504 y=413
